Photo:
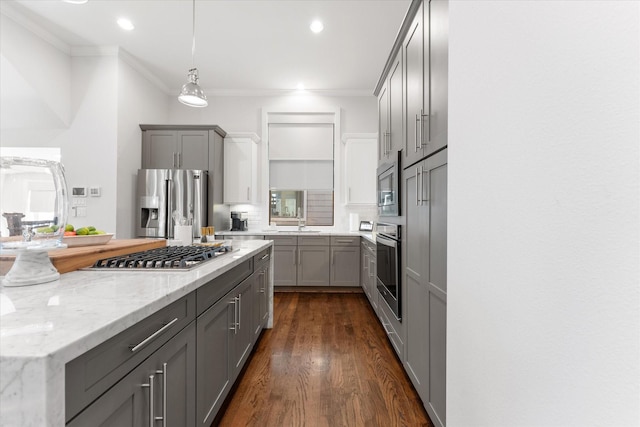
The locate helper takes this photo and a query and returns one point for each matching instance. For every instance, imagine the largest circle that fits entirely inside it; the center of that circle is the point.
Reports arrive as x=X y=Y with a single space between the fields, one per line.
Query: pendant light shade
x=191 y=93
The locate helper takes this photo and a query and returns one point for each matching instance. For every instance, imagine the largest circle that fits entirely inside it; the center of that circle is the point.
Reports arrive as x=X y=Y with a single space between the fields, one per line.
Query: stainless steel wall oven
x=388 y=244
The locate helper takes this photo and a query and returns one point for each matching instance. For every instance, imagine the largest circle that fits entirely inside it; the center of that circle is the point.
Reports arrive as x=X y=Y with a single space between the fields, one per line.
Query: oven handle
x=386 y=241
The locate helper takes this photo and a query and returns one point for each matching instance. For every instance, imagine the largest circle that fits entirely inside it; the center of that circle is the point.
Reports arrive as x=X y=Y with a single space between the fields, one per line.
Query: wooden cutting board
x=71 y=259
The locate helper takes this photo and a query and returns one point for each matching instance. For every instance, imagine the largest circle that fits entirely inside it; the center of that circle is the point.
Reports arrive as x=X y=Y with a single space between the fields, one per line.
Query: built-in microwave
x=389 y=188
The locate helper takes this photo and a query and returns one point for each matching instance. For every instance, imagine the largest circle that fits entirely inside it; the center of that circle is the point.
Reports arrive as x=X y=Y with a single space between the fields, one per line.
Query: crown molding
x=347 y=136
x=10 y=11
x=144 y=71
x=243 y=135
x=286 y=92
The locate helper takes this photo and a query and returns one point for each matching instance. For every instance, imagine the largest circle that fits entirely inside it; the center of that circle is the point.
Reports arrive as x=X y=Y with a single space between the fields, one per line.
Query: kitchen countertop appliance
x=163 y=194
x=239 y=221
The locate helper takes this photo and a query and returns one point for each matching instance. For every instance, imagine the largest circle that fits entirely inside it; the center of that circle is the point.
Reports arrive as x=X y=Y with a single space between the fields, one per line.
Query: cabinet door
x=438 y=74
x=242 y=326
x=344 y=262
x=373 y=289
x=193 y=149
x=285 y=264
x=127 y=403
x=260 y=310
x=436 y=283
x=383 y=123
x=360 y=171
x=240 y=171
x=159 y=149
x=313 y=266
x=213 y=330
x=416 y=254
x=414 y=89
x=364 y=268
x=396 y=129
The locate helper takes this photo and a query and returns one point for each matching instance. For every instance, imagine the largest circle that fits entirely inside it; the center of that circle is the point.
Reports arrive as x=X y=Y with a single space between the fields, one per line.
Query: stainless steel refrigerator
x=161 y=192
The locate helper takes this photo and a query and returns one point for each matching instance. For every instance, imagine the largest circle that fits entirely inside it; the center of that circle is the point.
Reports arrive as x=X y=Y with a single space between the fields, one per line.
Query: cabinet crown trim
x=348 y=136
x=243 y=135
x=215 y=128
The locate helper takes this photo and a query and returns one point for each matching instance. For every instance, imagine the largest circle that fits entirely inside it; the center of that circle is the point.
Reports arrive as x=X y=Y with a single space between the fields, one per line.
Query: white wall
x=544 y=283
x=139 y=101
x=358 y=114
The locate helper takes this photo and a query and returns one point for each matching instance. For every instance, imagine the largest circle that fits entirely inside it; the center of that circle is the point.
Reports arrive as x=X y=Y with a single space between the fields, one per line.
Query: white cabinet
x=241 y=168
x=360 y=162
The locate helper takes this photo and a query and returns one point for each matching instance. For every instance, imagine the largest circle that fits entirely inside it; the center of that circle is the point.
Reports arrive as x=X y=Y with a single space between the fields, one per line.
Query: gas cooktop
x=167 y=258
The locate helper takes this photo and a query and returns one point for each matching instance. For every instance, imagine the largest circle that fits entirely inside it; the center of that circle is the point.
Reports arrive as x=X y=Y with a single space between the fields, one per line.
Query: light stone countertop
x=310 y=232
x=42 y=327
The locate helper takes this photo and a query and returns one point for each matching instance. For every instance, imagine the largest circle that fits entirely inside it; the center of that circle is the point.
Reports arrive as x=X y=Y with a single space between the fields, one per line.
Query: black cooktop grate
x=170 y=257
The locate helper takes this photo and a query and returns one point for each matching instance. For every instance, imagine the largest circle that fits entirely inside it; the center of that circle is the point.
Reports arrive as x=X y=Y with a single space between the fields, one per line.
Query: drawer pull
x=344 y=241
x=265 y=256
x=152 y=336
x=163 y=372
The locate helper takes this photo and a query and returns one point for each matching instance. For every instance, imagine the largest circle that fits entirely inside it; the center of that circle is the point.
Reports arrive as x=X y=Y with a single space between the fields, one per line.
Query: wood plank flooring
x=326 y=362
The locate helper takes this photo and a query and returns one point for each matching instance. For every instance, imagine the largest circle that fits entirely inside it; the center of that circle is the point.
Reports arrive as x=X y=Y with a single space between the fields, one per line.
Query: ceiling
x=242 y=46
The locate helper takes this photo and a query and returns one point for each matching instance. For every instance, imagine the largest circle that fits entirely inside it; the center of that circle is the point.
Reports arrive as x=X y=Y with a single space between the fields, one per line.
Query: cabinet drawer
x=283 y=240
x=314 y=240
x=209 y=294
x=261 y=259
x=345 y=240
x=391 y=326
x=91 y=374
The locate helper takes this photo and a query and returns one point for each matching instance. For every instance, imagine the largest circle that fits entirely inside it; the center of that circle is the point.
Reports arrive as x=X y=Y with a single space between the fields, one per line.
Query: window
x=301 y=173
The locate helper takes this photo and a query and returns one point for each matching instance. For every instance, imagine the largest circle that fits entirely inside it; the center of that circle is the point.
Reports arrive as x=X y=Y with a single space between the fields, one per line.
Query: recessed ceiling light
x=75 y=1
x=316 y=26
x=125 y=24
x=300 y=86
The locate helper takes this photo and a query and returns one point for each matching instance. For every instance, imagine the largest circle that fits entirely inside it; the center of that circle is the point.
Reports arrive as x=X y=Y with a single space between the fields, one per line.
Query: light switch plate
x=79 y=191
x=95 y=191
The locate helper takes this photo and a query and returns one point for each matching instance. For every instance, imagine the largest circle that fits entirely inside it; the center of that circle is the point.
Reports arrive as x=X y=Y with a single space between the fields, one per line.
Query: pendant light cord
x=193 y=46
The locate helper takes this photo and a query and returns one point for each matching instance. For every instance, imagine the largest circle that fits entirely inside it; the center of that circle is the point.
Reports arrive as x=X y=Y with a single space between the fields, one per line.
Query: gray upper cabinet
x=426 y=280
x=390 y=110
x=416 y=95
x=178 y=149
x=424 y=51
x=438 y=75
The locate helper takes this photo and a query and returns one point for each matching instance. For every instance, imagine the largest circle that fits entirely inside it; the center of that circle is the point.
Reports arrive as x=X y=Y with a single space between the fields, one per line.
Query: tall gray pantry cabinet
x=422 y=49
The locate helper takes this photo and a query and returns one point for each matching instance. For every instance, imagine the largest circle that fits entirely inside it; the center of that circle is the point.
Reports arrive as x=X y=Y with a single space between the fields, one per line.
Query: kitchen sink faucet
x=301 y=222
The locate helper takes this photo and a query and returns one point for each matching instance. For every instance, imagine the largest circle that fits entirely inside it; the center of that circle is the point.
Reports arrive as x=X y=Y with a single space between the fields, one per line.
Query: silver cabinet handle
x=152 y=336
x=416 y=139
x=344 y=240
x=265 y=256
x=333 y=256
x=173 y=160
x=388 y=331
x=248 y=195
x=234 y=301
x=349 y=194
x=152 y=420
x=422 y=117
x=239 y=311
x=418 y=172
x=163 y=372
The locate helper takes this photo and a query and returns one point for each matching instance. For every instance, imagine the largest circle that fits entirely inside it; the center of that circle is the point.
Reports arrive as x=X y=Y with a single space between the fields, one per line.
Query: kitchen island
x=44 y=327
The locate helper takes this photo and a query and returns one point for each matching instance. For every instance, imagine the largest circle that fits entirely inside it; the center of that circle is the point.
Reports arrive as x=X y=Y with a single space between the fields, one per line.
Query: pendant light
x=191 y=94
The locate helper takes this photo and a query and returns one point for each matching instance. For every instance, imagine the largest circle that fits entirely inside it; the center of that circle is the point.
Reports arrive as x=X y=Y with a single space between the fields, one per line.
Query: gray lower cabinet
x=260 y=292
x=345 y=257
x=368 y=272
x=313 y=265
x=225 y=338
x=160 y=388
x=285 y=260
x=426 y=281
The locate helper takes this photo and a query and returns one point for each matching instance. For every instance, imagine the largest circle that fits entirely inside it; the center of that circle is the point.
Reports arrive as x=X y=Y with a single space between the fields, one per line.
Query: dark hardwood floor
x=326 y=362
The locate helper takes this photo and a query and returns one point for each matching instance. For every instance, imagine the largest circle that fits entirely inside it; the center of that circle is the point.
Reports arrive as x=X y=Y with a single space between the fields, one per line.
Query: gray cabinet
x=175 y=149
x=390 y=127
x=241 y=339
x=345 y=257
x=214 y=365
x=285 y=260
x=314 y=255
x=426 y=280
x=190 y=147
x=260 y=292
x=162 y=387
x=425 y=51
x=368 y=272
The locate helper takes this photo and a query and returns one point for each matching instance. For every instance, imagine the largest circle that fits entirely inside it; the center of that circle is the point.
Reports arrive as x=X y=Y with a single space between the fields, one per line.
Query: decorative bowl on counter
x=89 y=240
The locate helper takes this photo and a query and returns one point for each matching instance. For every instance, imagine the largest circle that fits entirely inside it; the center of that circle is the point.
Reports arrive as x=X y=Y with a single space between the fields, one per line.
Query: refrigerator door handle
x=170 y=208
